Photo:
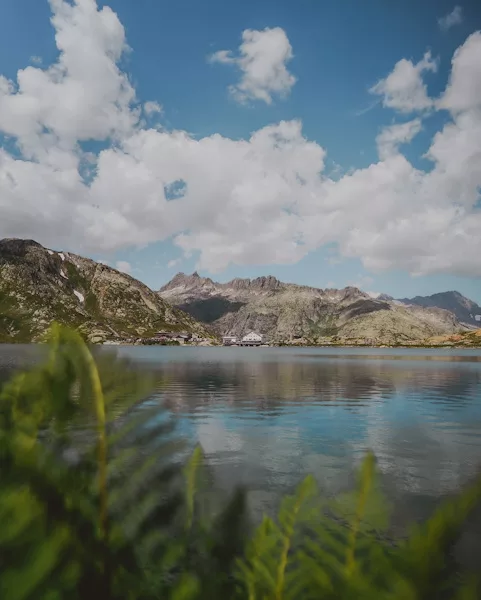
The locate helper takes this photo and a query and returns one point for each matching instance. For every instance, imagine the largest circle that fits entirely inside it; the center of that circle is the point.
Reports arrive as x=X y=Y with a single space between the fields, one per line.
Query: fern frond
x=191 y=471
x=367 y=476
x=423 y=558
x=288 y=517
x=59 y=407
x=265 y=571
x=257 y=569
x=469 y=589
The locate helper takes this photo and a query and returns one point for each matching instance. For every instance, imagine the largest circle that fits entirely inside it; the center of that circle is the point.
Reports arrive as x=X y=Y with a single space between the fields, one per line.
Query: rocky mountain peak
x=266 y=283
x=269 y=282
x=353 y=293
x=29 y=253
x=14 y=246
x=465 y=309
x=178 y=279
x=239 y=284
x=181 y=280
x=455 y=296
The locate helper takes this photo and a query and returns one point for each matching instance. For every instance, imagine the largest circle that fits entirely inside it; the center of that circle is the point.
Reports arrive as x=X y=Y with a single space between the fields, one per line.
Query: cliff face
x=286 y=312
x=38 y=286
x=464 y=308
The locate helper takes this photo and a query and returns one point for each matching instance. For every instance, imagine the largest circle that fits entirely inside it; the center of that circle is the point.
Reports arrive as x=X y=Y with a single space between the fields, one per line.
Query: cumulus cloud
x=455 y=17
x=403 y=89
x=262 y=61
x=390 y=138
x=124 y=266
x=464 y=89
x=84 y=96
x=265 y=199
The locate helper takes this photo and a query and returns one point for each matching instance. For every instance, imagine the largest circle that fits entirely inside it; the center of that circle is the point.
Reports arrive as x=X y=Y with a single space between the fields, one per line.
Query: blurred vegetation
x=96 y=502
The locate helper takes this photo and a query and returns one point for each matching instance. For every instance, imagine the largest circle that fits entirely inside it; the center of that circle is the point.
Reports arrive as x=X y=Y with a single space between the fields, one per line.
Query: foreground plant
x=96 y=503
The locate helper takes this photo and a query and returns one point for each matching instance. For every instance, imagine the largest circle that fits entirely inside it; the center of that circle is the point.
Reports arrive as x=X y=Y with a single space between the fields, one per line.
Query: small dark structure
x=165 y=336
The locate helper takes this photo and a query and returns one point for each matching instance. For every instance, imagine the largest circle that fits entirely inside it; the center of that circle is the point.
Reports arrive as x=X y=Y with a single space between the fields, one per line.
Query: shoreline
x=350 y=346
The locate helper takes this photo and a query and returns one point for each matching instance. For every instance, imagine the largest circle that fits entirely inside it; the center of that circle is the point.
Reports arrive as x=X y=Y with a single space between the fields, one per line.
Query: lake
x=266 y=417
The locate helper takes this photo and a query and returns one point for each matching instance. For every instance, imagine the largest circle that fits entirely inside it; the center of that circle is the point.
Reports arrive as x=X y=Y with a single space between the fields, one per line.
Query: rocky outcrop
x=268 y=283
x=38 y=286
x=465 y=309
x=286 y=312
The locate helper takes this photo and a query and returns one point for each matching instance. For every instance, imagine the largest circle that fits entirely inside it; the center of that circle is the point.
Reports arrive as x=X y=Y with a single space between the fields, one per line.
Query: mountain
x=38 y=286
x=464 y=309
x=286 y=312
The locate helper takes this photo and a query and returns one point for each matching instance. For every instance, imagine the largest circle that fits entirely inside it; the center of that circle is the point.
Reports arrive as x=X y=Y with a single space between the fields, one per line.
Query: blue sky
x=340 y=51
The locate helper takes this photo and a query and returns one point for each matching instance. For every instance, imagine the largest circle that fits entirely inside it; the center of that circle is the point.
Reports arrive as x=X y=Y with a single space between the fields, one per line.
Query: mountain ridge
x=38 y=285
x=286 y=311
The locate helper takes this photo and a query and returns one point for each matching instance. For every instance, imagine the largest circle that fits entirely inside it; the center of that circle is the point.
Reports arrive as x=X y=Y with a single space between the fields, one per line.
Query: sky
x=326 y=143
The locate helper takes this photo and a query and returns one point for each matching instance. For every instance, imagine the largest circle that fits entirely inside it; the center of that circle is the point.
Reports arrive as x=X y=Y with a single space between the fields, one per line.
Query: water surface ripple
x=266 y=417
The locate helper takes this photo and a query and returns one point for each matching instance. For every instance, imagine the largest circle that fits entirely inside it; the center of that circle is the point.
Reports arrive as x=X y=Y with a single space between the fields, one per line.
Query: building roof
x=252 y=334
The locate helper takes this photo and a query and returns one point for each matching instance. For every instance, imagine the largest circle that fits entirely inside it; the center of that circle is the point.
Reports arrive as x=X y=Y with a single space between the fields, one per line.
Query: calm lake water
x=267 y=417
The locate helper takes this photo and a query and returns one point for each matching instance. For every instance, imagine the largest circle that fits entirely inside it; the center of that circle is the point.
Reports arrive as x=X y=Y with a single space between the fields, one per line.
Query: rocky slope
x=38 y=286
x=466 y=339
x=464 y=308
x=288 y=312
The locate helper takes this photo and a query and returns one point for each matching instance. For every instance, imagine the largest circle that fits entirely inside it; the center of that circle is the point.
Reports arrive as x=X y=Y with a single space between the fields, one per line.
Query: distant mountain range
x=465 y=310
x=286 y=312
x=38 y=285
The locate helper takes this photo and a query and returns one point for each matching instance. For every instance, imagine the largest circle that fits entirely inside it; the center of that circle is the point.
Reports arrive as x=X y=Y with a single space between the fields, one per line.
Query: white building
x=477 y=318
x=229 y=340
x=252 y=339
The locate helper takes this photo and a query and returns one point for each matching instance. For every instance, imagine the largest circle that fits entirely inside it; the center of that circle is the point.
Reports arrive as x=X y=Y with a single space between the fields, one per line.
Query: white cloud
x=262 y=60
x=37 y=60
x=464 y=89
x=232 y=187
x=265 y=199
x=151 y=108
x=393 y=136
x=455 y=17
x=173 y=263
x=124 y=266
x=403 y=89
x=83 y=96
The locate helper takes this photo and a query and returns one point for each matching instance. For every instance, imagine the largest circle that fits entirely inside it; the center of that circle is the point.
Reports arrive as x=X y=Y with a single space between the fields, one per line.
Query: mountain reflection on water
x=267 y=417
